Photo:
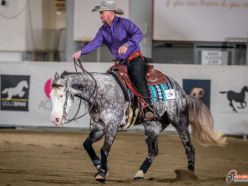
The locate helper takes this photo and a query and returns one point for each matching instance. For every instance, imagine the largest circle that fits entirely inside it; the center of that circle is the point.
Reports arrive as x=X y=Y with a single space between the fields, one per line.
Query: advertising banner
x=25 y=89
x=14 y=92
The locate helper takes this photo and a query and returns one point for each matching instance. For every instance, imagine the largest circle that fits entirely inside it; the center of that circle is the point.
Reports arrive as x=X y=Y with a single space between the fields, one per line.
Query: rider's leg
x=137 y=70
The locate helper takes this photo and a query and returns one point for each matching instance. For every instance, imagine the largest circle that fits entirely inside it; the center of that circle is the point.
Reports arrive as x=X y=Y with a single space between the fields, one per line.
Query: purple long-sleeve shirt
x=122 y=31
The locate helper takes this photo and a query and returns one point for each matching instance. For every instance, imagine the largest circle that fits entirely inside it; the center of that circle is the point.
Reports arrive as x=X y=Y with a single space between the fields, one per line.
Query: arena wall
x=30 y=106
x=205 y=20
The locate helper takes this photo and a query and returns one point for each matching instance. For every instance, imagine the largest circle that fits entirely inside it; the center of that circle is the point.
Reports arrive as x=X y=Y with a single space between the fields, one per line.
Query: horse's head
x=62 y=99
x=23 y=84
x=246 y=88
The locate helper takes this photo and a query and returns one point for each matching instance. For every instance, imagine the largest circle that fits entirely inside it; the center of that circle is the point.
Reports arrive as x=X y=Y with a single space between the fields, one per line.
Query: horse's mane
x=245 y=88
x=61 y=76
x=65 y=73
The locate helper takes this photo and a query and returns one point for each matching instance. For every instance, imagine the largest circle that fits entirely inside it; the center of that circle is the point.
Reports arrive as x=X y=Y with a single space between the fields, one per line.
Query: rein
x=79 y=65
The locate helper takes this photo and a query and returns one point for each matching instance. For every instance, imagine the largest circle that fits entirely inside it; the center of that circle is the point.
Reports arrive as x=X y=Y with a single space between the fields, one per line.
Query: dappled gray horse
x=108 y=111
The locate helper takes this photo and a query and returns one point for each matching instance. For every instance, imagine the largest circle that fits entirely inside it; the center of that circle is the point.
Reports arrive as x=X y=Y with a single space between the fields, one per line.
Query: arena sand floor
x=51 y=158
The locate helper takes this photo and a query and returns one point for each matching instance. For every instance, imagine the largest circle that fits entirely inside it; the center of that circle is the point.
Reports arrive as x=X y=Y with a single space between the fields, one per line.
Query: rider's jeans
x=136 y=70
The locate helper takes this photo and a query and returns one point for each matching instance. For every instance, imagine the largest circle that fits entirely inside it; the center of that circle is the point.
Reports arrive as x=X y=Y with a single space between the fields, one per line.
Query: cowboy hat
x=108 y=5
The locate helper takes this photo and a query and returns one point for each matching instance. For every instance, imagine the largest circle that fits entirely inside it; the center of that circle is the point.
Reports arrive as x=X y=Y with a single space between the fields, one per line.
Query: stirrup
x=148 y=113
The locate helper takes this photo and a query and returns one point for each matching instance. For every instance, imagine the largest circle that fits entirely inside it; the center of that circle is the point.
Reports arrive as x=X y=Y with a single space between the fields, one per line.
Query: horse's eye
x=60 y=96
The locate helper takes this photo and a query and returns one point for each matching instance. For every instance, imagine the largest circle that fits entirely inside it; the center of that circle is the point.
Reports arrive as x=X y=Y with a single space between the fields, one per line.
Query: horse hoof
x=138 y=178
x=101 y=175
x=100 y=178
x=182 y=174
x=139 y=175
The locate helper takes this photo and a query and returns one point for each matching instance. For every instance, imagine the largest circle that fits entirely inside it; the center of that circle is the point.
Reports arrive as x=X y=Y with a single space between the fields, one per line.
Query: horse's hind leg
x=231 y=105
x=95 y=135
x=181 y=123
x=152 y=131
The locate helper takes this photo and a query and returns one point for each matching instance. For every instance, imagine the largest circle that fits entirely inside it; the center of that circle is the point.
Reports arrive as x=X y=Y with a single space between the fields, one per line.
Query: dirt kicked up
x=45 y=158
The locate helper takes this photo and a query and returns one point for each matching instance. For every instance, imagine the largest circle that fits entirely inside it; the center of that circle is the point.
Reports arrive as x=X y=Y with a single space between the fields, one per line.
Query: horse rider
x=122 y=37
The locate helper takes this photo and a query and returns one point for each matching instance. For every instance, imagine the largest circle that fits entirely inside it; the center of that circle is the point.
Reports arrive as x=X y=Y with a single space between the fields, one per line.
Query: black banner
x=15 y=92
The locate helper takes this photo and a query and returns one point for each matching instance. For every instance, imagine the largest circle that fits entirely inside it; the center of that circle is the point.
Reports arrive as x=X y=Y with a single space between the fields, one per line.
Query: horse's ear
x=56 y=75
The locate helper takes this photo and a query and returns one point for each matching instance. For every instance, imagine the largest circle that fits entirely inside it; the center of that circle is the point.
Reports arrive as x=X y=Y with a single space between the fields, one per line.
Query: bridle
x=79 y=65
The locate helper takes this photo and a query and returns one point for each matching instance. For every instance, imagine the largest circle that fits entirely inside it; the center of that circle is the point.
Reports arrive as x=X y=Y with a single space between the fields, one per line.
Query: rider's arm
x=134 y=31
x=93 y=44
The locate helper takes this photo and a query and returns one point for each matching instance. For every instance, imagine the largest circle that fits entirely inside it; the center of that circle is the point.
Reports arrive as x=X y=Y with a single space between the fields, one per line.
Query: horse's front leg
x=95 y=135
x=110 y=134
x=242 y=104
x=152 y=130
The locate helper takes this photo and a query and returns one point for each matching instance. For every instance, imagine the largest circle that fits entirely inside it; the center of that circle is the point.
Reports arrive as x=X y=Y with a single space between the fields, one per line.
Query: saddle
x=157 y=83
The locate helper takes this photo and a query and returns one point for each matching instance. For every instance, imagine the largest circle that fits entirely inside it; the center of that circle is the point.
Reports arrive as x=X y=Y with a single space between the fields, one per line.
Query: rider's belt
x=135 y=55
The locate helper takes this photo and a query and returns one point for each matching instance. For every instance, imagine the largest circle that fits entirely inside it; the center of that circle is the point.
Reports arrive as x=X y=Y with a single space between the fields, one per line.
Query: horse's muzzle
x=58 y=120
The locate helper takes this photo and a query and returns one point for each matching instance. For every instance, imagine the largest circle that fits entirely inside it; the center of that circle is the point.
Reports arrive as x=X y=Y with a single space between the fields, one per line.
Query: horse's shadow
x=131 y=181
x=237 y=97
x=175 y=180
x=181 y=176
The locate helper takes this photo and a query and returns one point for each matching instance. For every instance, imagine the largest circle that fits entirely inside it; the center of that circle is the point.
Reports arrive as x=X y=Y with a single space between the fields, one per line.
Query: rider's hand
x=122 y=49
x=76 y=55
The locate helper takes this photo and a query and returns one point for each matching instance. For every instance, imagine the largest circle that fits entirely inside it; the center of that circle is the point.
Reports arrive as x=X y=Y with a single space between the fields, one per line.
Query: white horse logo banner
x=14 y=92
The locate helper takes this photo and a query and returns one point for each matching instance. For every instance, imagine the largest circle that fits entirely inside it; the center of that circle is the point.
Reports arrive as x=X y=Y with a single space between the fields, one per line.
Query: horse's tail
x=223 y=92
x=202 y=123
